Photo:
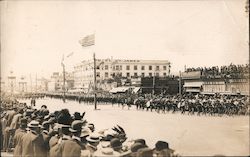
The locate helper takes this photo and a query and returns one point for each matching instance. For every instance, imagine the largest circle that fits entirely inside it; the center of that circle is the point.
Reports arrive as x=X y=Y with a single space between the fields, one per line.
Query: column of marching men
x=29 y=132
x=192 y=104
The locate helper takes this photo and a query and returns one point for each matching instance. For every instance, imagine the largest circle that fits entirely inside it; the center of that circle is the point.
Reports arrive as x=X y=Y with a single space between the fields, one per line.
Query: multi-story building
x=107 y=69
x=56 y=82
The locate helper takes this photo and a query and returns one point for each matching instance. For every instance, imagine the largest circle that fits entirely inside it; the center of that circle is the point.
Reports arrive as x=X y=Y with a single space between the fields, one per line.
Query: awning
x=136 y=89
x=192 y=90
x=119 y=90
x=192 y=84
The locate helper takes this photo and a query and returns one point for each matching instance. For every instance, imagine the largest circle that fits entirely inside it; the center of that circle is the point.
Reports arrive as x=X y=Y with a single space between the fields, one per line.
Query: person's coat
x=19 y=133
x=32 y=145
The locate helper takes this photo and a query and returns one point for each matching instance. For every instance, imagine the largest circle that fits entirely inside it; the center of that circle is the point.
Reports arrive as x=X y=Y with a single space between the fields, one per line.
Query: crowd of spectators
x=230 y=71
x=30 y=132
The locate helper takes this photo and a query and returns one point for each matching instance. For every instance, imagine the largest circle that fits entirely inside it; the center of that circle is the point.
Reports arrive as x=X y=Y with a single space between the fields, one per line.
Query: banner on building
x=89 y=40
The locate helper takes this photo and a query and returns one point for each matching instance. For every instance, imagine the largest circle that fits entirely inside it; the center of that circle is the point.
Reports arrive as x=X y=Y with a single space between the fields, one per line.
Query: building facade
x=117 y=69
x=55 y=83
x=160 y=85
x=195 y=82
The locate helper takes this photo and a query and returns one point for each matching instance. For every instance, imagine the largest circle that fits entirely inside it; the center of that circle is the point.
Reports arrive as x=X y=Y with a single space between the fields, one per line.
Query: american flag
x=89 y=40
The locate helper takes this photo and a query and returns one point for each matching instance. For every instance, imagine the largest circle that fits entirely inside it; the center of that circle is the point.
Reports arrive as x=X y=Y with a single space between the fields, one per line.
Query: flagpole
x=180 y=84
x=63 y=88
x=63 y=82
x=94 y=80
x=85 y=42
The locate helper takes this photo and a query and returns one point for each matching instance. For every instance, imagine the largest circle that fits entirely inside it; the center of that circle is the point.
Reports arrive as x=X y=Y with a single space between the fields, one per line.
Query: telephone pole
x=153 y=91
x=180 y=83
x=36 y=82
x=63 y=82
x=94 y=80
x=31 y=84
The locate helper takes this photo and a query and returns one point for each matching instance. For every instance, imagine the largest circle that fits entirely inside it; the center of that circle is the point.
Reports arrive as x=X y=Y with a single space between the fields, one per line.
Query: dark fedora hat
x=77 y=116
x=43 y=106
x=136 y=146
x=115 y=143
x=160 y=145
x=140 y=140
x=23 y=122
x=76 y=126
x=45 y=125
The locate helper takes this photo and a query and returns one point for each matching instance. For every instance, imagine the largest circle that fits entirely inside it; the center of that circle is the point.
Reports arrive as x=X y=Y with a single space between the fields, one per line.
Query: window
x=128 y=74
x=143 y=67
x=164 y=74
x=142 y=74
x=164 y=67
x=157 y=74
x=120 y=67
x=106 y=67
x=97 y=67
x=150 y=67
x=117 y=67
x=135 y=67
x=127 y=67
x=157 y=67
x=106 y=74
x=150 y=74
x=135 y=74
x=97 y=74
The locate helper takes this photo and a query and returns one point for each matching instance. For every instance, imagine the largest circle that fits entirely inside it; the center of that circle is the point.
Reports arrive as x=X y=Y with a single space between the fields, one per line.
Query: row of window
x=119 y=67
x=106 y=74
x=130 y=74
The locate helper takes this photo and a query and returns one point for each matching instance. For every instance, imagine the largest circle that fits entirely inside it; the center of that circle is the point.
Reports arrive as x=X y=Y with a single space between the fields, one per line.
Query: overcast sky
x=35 y=34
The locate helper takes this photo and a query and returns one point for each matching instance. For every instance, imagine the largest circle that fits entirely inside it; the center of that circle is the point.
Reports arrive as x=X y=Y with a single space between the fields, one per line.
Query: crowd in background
x=230 y=71
x=30 y=132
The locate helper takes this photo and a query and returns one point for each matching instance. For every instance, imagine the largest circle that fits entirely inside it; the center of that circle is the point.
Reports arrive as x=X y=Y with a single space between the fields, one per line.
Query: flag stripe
x=88 y=40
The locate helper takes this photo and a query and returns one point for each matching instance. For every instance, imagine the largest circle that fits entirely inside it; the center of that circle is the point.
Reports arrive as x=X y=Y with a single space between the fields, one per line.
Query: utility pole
x=180 y=83
x=63 y=82
x=36 y=82
x=153 y=91
x=94 y=81
x=30 y=83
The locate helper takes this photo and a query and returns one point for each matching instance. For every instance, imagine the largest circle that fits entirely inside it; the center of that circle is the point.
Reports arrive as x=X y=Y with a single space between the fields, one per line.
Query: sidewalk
x=5 y=154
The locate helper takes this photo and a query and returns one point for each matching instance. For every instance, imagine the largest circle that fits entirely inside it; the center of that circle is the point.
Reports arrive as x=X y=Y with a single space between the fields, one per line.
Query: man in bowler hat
x=32 y=142
x=73 y=146
x=19 y=133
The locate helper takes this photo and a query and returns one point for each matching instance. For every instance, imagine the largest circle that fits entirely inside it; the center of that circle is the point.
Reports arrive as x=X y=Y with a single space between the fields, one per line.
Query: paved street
x=188 y=135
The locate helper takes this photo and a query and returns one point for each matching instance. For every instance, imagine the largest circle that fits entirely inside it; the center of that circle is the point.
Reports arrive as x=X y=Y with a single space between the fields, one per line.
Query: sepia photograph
x=125 y=78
